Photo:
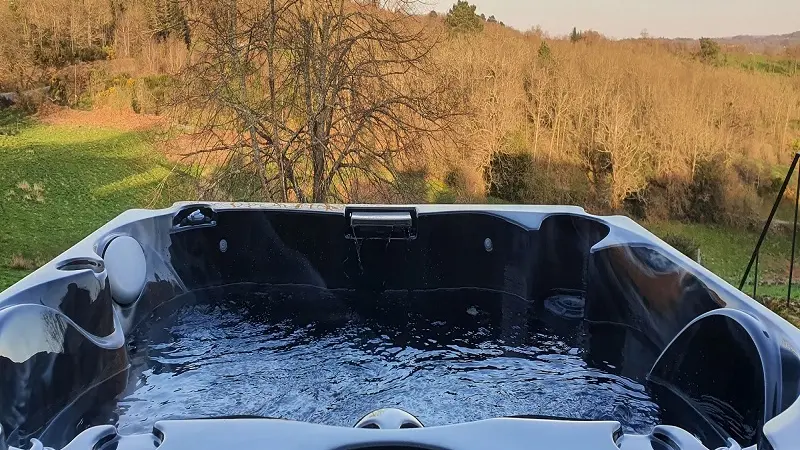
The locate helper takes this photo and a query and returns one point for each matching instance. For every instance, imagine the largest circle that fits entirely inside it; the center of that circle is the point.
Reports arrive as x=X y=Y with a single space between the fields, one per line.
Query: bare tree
x=309 y=95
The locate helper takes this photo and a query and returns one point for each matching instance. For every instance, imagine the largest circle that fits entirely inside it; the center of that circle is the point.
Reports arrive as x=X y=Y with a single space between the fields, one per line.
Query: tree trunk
x=319 y=193
x=277 y=147
x=257 y=157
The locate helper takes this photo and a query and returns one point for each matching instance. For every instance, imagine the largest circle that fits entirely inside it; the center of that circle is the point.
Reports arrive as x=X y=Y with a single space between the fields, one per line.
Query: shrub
x=748 y=171
x=518 y=178
x=62 y=52
x=456 y=179
x=563 y=184
x=85 y=103
x=508 y=177
x=462 y=185
x=718 y=195
x=709 y=50
x=544 y=52
x=771 y=187
x=153 y=93
x=412 y=185
x=706 y=193
x=12 y=121
x=664 y=198
x=135 y=106
x=444 y=194
x=684 y=244
x=59 y=92
x=742 y=205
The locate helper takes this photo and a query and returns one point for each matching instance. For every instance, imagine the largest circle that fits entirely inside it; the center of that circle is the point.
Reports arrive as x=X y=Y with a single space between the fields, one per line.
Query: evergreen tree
x=462 y=18
x=544 y=52
x=576 y=35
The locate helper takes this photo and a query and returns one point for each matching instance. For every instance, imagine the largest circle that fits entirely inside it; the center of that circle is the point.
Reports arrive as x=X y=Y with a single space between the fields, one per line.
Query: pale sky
x=627 y=18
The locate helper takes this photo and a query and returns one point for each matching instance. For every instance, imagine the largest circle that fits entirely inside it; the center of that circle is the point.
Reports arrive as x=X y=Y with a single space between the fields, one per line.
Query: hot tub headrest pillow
x=127 y=269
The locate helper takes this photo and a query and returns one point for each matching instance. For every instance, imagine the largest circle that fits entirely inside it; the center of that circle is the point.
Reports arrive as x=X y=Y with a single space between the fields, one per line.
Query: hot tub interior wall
x=449 y=252
x=634 y=307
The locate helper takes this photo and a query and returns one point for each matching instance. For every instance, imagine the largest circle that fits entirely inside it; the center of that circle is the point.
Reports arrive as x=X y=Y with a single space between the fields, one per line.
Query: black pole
x=794 y=239
x=755 y=275
x=769 y=220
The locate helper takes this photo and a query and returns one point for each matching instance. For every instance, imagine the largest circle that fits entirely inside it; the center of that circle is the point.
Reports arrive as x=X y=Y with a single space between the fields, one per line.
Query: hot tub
x=217 y=325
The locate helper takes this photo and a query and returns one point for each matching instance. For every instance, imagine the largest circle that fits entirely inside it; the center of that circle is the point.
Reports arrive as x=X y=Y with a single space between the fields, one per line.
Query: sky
x=627 y=18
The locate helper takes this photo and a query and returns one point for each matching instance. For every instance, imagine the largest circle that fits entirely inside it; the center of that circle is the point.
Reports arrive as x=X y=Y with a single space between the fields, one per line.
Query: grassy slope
x=75 y=179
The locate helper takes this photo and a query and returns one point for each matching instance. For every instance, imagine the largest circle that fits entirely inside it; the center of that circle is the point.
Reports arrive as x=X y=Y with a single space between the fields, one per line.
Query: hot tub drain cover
x=566 y=306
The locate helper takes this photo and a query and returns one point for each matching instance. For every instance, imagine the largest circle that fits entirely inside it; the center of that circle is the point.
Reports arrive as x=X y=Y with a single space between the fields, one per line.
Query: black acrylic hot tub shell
x=708 y=350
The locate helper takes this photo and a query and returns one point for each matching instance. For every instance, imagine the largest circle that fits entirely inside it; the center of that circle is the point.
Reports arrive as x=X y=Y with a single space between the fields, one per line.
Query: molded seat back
x=719 y=378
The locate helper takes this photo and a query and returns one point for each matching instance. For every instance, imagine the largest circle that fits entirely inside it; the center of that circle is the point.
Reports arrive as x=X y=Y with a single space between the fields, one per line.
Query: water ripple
x=258 y=356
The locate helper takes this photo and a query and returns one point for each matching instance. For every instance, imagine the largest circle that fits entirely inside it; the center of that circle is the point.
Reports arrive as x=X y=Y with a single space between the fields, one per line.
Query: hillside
x=763 y=43
x=772 y=45
x=457 y=108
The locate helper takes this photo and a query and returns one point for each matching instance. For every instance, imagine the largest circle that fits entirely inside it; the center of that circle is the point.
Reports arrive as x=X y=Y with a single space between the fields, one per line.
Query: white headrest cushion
x=127 y=269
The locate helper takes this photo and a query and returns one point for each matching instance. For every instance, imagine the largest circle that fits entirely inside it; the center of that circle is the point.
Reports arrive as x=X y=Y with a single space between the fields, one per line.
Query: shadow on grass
x=56 y=189
x=13 y=121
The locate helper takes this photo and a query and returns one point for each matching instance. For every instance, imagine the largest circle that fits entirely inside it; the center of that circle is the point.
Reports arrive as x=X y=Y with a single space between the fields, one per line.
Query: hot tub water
x=330 y=357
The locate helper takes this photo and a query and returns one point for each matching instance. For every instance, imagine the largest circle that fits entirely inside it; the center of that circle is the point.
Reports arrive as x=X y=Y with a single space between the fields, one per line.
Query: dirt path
x=122 y=120
x=179 y=148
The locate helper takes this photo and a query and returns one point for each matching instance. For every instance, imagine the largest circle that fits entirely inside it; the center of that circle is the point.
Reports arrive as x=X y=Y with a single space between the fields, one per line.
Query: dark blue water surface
x=330 y=357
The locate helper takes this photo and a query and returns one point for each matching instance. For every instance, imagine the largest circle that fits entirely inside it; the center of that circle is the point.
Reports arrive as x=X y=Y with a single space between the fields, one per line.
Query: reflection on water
x=316 y=356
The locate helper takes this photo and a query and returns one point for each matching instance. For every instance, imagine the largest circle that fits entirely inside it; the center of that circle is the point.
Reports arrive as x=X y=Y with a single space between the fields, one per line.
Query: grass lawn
x=59 y=183
x=726 y=252
x=765 y=64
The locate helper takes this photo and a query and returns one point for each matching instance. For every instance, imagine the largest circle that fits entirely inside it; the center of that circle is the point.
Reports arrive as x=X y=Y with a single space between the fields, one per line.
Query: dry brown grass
x=33 y=193
x=121 y=119
x=183 y=148
x=20 y=262
x=790 y=311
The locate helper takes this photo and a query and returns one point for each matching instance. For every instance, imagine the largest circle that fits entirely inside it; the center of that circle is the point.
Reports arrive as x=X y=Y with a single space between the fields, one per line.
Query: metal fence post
x=794 y=239
x=769 y=220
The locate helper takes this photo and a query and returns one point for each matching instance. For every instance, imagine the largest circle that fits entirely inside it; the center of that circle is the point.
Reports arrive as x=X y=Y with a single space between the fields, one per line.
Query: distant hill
x=761 y=43
x=774 y=44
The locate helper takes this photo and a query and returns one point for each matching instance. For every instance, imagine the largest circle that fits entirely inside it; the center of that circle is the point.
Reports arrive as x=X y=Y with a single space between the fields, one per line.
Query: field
x=726 y=252
x=60 y=182
x=761 y=63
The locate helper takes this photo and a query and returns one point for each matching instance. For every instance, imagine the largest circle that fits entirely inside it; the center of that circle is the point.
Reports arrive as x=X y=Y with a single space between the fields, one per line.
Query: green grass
x=12 y=121
x=764 y=64
x=785 y=211
x=726 y=252
x=60 y=183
